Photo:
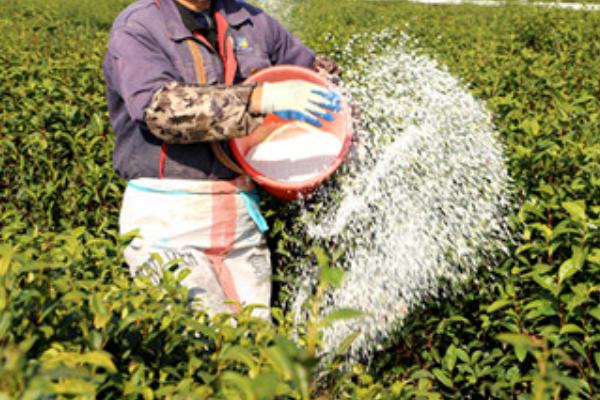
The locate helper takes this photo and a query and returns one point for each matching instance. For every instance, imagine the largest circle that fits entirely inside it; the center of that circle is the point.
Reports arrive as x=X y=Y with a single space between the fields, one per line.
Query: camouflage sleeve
x=187 y=113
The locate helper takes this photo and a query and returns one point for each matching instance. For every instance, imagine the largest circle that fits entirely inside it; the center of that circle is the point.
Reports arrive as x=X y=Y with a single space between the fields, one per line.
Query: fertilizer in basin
x=295 y=158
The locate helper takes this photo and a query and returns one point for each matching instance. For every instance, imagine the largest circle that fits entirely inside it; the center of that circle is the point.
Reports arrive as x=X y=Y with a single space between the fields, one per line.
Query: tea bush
x=74 y=324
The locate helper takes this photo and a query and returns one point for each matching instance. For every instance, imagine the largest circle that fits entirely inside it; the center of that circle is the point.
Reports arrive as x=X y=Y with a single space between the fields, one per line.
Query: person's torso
x=137 y=152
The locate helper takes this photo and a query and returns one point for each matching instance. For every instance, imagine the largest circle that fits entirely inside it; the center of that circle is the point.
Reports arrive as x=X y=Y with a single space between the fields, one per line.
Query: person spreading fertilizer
x=173 y=71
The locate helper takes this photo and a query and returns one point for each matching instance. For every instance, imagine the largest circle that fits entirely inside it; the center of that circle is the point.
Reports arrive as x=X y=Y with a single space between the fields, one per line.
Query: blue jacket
x=147 y=49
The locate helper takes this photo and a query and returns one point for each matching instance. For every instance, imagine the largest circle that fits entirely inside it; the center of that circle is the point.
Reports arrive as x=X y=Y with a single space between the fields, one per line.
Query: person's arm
x=173 y=111
x=188 y=113
x=285 y=48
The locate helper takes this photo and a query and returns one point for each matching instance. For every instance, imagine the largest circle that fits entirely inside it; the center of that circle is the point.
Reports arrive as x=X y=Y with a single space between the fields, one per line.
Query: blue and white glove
x=299 y=100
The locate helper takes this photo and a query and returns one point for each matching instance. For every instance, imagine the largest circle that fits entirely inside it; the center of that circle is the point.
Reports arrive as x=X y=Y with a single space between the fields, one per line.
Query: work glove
x=299 y=100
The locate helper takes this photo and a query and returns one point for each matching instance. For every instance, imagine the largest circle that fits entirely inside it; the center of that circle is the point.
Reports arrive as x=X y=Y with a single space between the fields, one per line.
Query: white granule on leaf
x=295 y=159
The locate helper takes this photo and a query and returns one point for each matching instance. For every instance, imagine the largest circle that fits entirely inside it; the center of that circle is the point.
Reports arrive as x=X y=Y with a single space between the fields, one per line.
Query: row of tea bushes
x=73 y=323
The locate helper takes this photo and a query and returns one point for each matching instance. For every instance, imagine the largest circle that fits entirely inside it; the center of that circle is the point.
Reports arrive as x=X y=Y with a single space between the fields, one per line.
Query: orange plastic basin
x=274 y=128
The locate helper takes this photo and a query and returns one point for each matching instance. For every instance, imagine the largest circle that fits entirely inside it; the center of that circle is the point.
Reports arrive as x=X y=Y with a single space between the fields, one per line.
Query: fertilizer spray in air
x=424 y=198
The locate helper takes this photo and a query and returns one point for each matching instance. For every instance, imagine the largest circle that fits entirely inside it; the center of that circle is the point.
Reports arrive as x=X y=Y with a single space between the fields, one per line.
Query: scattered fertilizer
x=424 y=199
x=297 y=158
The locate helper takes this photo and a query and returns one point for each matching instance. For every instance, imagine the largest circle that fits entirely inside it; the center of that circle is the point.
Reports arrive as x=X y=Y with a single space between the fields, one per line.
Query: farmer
x=173 y=71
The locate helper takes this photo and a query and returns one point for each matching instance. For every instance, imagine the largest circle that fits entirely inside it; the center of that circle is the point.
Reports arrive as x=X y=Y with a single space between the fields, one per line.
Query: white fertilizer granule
x=295 y=159
x=422 y=201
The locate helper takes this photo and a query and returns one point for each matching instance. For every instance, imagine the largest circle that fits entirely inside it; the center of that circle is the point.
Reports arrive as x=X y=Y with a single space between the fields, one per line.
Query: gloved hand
x=299 y=100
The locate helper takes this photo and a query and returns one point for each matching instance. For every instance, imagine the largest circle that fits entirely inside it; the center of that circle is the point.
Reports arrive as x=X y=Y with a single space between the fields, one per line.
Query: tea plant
x=74 y=324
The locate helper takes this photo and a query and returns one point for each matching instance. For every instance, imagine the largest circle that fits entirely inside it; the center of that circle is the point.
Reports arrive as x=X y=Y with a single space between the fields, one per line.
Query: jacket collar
x=232 y=10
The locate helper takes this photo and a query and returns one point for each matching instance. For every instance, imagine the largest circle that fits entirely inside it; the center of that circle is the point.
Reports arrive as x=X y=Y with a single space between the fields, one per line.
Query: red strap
x=226 y=48
x=224 y=216
x=161 y=161
x=201 y=38
x=222 y=239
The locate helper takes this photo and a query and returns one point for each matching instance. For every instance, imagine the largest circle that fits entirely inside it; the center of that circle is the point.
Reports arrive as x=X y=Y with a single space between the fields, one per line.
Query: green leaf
x=322 y=257
x=238 y=354
x=268 y=385
x=100 y=311
x=575 y=386
x=183 y=272
x=206 y=377
x=442 y=377
x=53 y=357
x=421 y=374
x=3 y=298
x=517 y=339
x=462 y=355
x=340 y=314
x=332 y=276
x=563 y=228
x=594 y=257
x=544 y=229
x=539 y=308
x=531 y=126
x=571 y=328
x=595 y=312
x=542 y=268
x=572 y=265
x=497 y=305
x=576 y=209
x=347 y=342
x=6 y=254
x=99 y=359
x=279 y=360
x=450 y=358
x=398 y=386
x=545 y=188
x=520 y=352
x=547 y=282
x=233 y=382
x=577 y=345
x=75 y=387
x=5 y=324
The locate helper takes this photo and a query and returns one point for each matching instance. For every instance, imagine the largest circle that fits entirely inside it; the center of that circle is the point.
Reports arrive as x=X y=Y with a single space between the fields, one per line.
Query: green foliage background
x=73 y=323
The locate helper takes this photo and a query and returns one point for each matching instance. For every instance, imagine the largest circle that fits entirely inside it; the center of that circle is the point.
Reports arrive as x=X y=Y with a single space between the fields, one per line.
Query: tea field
x=74 y=324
